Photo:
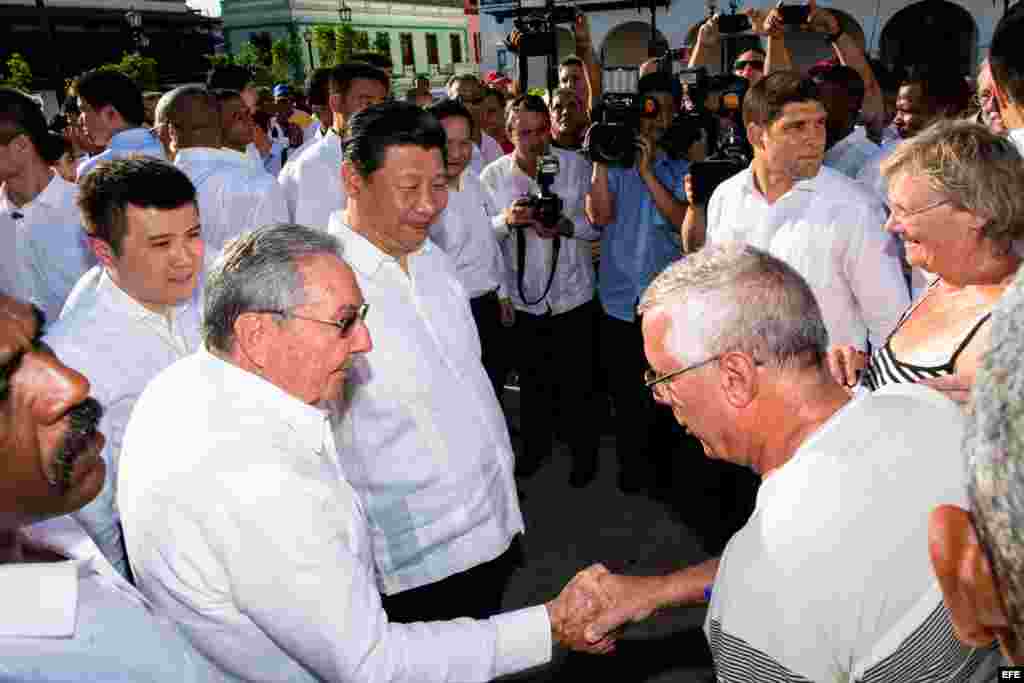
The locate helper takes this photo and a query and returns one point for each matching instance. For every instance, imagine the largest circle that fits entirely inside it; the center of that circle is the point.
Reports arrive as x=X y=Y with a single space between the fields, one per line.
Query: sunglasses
x=744 y=63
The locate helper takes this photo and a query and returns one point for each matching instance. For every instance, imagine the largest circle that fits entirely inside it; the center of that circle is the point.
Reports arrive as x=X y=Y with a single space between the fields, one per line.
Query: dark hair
x=228 y=77
x=102 y=87
x=945 y=89
x=1004 y=54
x=224 y=94
x=764 y=102
x=388 y=124
x=144 y=182
x=530 y=103
x=846 y=78
x=377 y=59
x=888 y=79
x=343 y=75
x=318 y=86
x=571 y=61
x=20 y=115
x=448 y=108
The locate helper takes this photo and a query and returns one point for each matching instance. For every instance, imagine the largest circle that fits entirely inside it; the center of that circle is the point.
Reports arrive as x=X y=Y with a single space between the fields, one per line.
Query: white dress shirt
x=313 y=134
x=422 y=437
x=1017 y=138
x=234 y=197
x=124 y=144
x=870 y=174
x=243 y=529
x=120 y=345
x=465 y=232
x=484 y=154
x=573 y=284
x=830 y=231
x=273 y=162
x=44 y=249
x=849 y=155
x=312 y=185
x=78 y=620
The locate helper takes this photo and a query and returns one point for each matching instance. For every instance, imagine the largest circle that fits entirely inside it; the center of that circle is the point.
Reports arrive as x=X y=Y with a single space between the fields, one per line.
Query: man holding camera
x=551 y=281
x=816 y=219
x=639 y=207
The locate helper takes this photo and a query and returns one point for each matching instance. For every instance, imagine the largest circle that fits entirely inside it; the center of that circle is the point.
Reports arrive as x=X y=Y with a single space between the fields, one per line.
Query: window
x=407 y=57
x=456 y=44
x=432 y=56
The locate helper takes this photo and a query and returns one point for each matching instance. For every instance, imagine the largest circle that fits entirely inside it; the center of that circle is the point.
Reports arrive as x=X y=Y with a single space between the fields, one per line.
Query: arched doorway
x=952 y=36
x=627 y=44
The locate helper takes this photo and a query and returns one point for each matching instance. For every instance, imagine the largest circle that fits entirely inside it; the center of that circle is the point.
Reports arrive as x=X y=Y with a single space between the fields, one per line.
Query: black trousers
x=493 y=339
x=475 y=593
x=554 y=355
x=646 y=433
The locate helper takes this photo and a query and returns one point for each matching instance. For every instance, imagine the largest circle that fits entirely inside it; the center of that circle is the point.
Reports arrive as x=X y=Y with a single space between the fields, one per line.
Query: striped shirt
x=830 y=579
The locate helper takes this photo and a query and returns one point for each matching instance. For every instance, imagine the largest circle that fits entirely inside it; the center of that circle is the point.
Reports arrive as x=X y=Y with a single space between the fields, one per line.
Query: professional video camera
x=534 y=34
x=612 y=139
x=546 y=205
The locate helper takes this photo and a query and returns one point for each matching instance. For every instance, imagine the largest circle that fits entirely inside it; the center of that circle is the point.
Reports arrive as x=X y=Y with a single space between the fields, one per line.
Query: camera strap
x=521 y=263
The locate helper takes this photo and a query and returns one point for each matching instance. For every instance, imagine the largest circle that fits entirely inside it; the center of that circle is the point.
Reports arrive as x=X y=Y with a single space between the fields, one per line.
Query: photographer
x=639 y=208
x=816 y=219
x=551 y=281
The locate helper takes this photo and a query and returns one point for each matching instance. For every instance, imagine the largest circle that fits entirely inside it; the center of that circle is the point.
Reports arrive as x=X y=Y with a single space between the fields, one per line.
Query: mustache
x=82 y=422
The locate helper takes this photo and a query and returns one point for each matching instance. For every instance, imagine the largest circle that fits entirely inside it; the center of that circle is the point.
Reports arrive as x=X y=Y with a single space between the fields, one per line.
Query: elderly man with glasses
x=829 y=579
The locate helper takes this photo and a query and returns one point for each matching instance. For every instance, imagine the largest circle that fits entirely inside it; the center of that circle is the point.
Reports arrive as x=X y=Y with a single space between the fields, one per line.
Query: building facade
x=896 y=31
x=425 y=37
x=88 y=33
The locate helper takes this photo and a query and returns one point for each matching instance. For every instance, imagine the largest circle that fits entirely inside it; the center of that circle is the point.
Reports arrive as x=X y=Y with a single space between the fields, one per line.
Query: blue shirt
x=125 y=143
x=640 y=242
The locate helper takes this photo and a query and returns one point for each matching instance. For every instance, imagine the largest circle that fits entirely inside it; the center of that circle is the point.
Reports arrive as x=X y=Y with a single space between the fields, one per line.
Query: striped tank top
x=885 y=368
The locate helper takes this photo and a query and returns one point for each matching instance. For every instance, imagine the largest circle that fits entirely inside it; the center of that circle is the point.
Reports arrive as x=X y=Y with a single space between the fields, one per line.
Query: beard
x=82 y=422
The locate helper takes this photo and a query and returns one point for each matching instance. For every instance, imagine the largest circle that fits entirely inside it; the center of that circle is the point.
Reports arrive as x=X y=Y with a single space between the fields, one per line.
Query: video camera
x=546 y=205
x=612 y=139
x=535 y=32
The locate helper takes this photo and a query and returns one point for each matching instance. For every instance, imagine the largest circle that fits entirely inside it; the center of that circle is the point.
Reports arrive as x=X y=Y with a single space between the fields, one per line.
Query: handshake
x=588 y=613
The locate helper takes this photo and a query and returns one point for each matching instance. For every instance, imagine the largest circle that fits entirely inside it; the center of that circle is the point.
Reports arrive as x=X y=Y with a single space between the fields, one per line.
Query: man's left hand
x=646 y=150
x=821 y=20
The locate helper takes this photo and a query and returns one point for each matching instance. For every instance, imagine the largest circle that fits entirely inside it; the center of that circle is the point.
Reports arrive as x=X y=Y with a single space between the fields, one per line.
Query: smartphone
x=795 y=15
x=733 y=23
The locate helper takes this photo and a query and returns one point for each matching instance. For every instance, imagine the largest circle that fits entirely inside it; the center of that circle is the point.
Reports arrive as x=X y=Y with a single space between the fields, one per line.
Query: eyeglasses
x=344 y=325
x=652 y=380
x=899 y=215
x=744 y=63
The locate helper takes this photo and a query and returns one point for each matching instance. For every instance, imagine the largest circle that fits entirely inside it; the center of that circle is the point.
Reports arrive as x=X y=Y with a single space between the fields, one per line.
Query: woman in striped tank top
x=956 y=192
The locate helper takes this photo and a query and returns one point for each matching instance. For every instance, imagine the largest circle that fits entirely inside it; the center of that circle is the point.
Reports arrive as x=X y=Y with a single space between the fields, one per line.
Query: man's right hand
x=846 y=363
x=576 y=607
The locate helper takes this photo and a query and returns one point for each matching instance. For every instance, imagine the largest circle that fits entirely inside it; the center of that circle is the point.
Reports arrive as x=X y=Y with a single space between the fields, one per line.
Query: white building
x=896 y=31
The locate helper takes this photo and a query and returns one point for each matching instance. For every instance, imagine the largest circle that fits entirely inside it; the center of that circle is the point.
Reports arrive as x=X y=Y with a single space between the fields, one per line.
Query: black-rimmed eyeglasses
x=344 y=325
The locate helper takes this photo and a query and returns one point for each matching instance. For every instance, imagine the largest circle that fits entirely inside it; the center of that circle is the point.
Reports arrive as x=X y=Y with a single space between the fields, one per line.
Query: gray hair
x=973 y=168
x=994 y=446
x=739 y=298
x=258 y=272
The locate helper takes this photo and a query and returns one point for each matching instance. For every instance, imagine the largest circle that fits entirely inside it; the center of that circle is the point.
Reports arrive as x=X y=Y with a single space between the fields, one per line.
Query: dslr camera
x=546 y=205
x=612 y=139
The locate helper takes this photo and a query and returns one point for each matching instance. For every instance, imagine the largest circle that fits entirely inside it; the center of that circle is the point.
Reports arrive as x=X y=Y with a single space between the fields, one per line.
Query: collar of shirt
x=40 y=599
x=120 y=300
x=132 y=139
x=308 y=422
x=50 y=196
x=361 y=253
x=806 y=185
x=193 y=155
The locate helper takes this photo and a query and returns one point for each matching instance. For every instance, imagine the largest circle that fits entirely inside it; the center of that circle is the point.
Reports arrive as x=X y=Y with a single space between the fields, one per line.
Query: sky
x=208 y=7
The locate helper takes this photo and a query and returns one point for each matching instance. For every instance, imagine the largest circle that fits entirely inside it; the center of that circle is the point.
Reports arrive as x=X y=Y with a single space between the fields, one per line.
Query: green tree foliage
x=19 y=73
x=325 y=43
x=141 y=69
x=344 y=43
x=219 y=60
x=286 y=64
x=263 y=44
x=382 y=43
x=361 y=42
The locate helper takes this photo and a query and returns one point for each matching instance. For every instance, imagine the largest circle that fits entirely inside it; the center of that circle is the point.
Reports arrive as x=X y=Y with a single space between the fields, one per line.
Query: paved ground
x=568 y=529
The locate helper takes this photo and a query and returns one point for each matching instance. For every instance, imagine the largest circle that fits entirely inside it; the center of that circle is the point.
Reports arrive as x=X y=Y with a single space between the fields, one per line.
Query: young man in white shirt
x=551 y=280
x=67 y=615
x=816 y=219
x=142 y=313
x=312 y=183
x=465 y=232
x=421 y=436
x=234 y=197
x=112 y=113
x=43 y=250
x=829 y=579
x=467 y=89
x=245 y=528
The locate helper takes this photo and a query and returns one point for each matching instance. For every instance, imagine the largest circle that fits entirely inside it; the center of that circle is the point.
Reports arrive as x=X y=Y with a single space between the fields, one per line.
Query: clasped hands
x=520 y=214
x=589 y=612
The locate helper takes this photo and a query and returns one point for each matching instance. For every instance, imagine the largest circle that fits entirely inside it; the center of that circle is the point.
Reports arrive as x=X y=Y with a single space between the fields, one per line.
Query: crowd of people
x=254 y=346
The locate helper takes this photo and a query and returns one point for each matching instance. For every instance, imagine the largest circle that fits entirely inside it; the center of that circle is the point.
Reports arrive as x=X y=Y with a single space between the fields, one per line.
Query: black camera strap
x=521 y=262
